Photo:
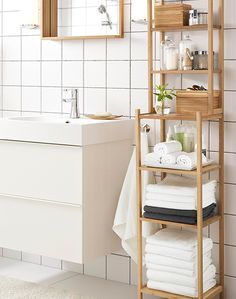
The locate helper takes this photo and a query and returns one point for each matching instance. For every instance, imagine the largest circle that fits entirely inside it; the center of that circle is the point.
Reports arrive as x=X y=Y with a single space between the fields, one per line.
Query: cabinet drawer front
x=51 y=230
x=41 y=171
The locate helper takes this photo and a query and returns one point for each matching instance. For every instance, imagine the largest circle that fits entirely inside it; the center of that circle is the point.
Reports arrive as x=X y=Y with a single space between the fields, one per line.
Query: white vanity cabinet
x=58 y=198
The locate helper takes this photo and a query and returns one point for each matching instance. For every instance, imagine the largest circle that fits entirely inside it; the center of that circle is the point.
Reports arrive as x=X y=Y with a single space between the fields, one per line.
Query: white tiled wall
x=112 y=75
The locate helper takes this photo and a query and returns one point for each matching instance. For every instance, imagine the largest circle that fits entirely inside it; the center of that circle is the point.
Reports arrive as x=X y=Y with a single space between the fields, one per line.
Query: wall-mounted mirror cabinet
x=82 y=19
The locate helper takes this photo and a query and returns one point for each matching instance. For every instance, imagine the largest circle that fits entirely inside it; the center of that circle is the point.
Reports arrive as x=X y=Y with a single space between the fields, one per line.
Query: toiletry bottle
x=170 y=134
x=179 y=133
x=204 y=150
x=188 y=142
x=185 y=53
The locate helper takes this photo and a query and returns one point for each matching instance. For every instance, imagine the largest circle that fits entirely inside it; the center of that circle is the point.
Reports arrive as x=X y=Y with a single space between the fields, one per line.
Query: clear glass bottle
x=169 y=55
x=185 y=53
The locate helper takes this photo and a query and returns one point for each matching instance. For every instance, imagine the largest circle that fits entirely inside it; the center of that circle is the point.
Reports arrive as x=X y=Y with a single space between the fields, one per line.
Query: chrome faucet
x=72 y=96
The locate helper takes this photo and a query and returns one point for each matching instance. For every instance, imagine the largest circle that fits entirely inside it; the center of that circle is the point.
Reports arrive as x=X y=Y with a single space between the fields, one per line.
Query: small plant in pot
x=162 y=97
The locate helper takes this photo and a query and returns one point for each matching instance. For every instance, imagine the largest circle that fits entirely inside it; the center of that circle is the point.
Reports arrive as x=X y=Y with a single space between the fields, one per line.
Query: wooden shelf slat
x=176 y=72
x=175 y=116
x=185 y=28
x=205 y=169
x=208 y=295
x=177 y=224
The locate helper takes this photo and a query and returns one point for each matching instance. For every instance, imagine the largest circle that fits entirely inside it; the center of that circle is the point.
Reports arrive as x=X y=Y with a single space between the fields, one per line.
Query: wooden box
x=193 y=101
x=171 y=15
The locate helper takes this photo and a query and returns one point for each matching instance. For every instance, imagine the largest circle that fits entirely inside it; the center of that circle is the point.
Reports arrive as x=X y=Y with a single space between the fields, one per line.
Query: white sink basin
x=61 y=130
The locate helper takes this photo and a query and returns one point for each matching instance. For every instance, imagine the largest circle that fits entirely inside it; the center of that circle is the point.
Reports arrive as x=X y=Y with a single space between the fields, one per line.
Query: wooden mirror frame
x=49 y=23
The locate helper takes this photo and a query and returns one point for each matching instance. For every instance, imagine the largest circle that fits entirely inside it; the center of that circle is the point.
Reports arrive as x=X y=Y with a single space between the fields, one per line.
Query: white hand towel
x=171 y=158
x=173 y=262
x=178 y=289
x=173 y=278
x=164 y=148
x=190 y=159
x=179 y=239
x=125 y=222
x=185 y=255
x=180 y=185
x=152 y=160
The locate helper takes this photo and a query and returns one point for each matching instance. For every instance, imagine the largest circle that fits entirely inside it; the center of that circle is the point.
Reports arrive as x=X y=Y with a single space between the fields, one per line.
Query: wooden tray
x=111 y=117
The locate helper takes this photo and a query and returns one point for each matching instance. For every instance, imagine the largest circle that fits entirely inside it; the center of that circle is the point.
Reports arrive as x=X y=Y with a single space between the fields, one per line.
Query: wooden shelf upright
x=213 y=114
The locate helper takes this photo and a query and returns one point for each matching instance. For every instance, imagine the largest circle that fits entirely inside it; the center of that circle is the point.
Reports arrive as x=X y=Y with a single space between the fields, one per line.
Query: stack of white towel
x=171 y=260
x=175 y=199
x=170 y=153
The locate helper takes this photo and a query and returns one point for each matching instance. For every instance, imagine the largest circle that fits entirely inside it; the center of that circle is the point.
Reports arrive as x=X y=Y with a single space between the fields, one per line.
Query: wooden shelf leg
x=139 y=204
x=199 y=205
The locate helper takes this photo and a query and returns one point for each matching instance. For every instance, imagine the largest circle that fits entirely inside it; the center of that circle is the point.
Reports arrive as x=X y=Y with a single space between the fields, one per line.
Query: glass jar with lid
x=169 y=55
x=185 y=53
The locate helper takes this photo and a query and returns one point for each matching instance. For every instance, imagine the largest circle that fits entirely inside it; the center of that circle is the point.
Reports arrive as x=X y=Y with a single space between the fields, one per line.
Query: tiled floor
x=84 y=285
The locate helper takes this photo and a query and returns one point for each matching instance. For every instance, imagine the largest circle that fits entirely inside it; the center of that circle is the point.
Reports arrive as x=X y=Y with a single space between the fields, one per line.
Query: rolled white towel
x=189 y=159
x=152 y=159
x=171 y=158
x=165 y=148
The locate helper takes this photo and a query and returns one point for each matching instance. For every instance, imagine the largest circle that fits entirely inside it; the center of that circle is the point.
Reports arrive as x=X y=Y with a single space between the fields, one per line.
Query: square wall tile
x=230 y=8
x=11 y=23
x=72 y=73
x=31 y=258
x=95 y=49
x=51 y=50
x=31 y=73
x=31 y=48
x=11 y=254
x=31 y=99
x=11 y=73
x=11 y=98
x=139 y=74
x=73 y=50
x=118 y=101
x=51 y=73
x=119 y=49
x=139 y=49
x=230 y=106
x=118 y=268
x=96 y=268
x=11 y=48
x=118 y=74
x=230 y=204
x=94 y=100
x=94 y=74
x=72 y=267
x=230 y=75
x=139 y=100
x=51 y=99
x=51 y=262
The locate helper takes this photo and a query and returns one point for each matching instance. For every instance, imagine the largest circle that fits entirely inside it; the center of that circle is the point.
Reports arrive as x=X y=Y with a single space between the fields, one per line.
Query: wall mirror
x=81 y=19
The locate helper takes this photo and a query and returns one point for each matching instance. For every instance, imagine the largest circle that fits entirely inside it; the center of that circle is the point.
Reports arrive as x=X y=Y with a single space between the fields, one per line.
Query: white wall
x=111 y=75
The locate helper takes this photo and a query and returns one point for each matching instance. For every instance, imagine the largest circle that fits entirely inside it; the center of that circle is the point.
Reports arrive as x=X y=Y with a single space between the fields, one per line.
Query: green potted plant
x=162 y=97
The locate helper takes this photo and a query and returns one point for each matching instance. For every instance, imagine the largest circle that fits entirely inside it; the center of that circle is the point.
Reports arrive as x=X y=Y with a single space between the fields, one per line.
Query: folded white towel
x=171 y=158
x=178 y=289
x=164 y=148
x=170 y=205
x=189 y=273
x=173 y=262
x=179 y=239
x=173 y=278
x=190 y=159
x=180 y=185
x=185 y=255
x=152 y=160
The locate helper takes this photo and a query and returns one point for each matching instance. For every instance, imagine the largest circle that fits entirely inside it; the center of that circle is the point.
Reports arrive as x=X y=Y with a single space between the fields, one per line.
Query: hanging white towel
x=125 y=222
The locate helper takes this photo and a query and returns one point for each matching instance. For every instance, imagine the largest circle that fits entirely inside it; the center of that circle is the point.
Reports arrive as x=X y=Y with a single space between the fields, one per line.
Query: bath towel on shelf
x=165 y=148
x=190 y=160
x=179 y=289
x=179 y=279
x=157 y=259
x=183 y=213
x=179 y=239
x=125 y=222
